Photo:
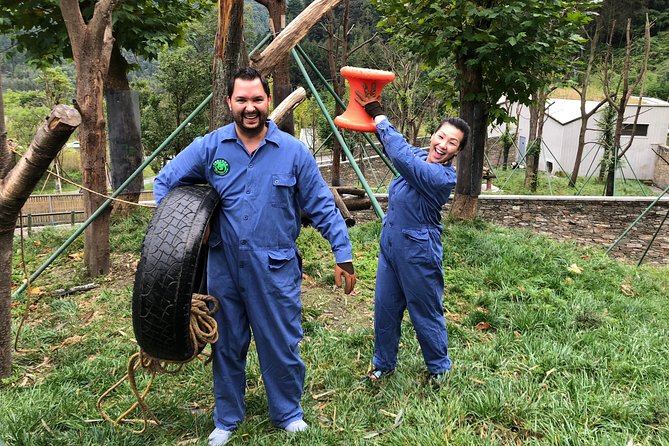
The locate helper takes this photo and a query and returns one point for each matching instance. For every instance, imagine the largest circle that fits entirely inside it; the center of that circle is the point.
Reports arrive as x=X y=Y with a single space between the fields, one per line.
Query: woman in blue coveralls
x=410 y=273
x=265 y=178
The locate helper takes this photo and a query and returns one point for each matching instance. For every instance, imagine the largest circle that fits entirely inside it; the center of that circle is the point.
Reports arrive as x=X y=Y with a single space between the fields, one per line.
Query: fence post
x=30 y=224
x=72 y=218
x=51 y=210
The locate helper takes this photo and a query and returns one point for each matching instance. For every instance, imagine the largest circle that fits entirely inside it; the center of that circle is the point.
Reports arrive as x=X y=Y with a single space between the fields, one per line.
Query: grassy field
x=511 y=182
x=551 y=344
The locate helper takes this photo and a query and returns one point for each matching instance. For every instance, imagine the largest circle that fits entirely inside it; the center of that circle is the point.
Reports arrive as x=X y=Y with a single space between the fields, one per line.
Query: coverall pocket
x=279 y=257
x=418 y=245
x=282 y=190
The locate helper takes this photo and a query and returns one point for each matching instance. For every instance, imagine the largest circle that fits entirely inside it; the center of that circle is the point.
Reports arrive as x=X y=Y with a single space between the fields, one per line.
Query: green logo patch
x=221 y=167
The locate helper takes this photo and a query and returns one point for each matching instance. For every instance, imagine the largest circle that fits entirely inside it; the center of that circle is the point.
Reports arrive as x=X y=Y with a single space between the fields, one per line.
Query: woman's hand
x=370 y=101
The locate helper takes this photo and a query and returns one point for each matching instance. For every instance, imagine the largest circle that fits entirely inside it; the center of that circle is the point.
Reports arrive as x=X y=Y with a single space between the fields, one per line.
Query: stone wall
x=595 y=221
x=661 y=177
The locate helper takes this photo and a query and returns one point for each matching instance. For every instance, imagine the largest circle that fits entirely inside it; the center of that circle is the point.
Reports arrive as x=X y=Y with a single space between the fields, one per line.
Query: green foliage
x=657 y=84
x=518 y=46
x=57 y=86
x=24 y=111
x=143 y=27
x=182 y=82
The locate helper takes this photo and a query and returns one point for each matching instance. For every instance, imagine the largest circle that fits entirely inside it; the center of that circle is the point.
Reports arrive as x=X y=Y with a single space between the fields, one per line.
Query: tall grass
x=551 y=344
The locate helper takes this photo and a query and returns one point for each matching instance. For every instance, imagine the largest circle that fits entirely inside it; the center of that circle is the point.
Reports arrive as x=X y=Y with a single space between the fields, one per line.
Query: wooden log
x=357 y=203
x=345 y=213
x=286 y=40
x=345 y=190
x=289 y=104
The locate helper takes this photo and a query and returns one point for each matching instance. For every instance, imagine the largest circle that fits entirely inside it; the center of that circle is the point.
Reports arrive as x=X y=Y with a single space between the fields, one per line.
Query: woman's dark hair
x=247 y=74
x=459 y=124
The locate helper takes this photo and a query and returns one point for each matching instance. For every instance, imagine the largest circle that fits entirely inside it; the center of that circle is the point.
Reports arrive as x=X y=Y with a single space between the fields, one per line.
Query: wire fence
x=58 y=209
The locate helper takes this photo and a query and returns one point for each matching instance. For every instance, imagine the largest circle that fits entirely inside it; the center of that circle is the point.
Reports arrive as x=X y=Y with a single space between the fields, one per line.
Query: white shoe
x=296 y=426
x=219 y=437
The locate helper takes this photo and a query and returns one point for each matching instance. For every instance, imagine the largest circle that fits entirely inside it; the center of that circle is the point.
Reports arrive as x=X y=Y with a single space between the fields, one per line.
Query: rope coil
x=203 y=330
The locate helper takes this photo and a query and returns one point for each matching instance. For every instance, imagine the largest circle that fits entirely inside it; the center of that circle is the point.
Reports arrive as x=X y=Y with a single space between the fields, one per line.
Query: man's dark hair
x=247 y=74
x=459 y=124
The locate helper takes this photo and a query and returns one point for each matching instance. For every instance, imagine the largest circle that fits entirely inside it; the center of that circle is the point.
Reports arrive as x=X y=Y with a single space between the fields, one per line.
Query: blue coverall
x=410 y=273
x=254 y=268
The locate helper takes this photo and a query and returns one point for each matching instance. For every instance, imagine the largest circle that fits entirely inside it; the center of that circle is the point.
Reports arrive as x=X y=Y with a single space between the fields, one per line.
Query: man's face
x=444 y=144
x=249 y=105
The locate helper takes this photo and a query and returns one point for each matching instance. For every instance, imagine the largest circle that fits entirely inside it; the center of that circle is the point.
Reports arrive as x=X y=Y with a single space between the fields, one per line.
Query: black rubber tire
x=171 y=268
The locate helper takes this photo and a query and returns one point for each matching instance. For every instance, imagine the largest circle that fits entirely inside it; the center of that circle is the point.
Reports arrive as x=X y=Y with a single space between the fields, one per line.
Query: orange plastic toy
x=355 y=117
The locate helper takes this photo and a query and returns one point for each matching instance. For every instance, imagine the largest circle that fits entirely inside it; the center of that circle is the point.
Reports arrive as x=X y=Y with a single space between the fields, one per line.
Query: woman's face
x=444 y=144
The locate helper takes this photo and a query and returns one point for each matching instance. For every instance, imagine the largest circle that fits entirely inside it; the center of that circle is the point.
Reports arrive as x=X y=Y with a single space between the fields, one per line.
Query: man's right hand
x=346 y=270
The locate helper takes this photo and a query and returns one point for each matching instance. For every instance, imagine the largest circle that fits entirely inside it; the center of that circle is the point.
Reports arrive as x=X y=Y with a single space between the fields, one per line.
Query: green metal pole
x=336 y=97
x=650 y=243
x=260 y=44
x=335 y=130
x=634 y=223
x=515 y=168
x=116 y=193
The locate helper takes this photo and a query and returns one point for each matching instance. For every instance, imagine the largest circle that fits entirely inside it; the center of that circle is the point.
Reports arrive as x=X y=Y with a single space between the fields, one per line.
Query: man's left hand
x=345 y=269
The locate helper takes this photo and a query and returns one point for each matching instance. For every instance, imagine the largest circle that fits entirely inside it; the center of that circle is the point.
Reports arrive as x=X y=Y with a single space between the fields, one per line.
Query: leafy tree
x=658 y=65
x=166 y=104
x=57 y=86
x=24 y=111
x=500 y=48
x=143 y=27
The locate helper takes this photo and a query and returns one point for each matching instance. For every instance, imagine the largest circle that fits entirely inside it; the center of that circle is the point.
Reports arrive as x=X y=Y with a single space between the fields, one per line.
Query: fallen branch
x=75 y=289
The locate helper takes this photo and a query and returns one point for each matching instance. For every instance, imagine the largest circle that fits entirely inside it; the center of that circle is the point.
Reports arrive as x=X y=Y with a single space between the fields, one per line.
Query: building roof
x=565 y=111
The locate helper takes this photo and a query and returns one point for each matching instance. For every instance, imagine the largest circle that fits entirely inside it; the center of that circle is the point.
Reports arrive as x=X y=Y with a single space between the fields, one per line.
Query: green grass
x=544 y=353
x=512 y=183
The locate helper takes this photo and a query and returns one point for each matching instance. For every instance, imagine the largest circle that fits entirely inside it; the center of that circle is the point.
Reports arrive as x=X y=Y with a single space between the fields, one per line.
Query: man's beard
x=251 y=131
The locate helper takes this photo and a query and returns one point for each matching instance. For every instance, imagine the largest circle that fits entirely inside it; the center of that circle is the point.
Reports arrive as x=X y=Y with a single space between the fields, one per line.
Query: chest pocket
x=283 y=187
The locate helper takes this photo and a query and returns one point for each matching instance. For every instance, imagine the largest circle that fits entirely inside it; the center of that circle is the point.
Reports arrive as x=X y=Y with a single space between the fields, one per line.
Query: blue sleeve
x=317 y=201
x=410 y=163
x=188 y=167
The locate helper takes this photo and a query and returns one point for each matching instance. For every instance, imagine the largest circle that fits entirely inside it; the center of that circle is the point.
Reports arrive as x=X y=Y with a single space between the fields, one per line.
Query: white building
x=562 y=126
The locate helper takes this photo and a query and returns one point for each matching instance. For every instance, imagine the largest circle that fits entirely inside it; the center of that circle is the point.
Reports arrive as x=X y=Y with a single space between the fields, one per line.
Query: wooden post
x=291 y=35
x=345 y=213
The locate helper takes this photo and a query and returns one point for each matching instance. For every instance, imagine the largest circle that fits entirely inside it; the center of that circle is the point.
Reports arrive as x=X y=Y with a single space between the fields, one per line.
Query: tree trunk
x=91 y=49
x=229 y=56
x=534 y=148
x=339 y=88
x=585 y=116
x=14 y=191
x=281 y=87
x=125 y=137
x=615 y=153
x=470 y=160
x=6 y=156
x=286 y=107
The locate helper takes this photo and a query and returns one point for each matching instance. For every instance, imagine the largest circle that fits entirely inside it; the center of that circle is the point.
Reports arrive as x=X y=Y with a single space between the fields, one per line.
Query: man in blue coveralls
x=410 y=273
x=265 y=179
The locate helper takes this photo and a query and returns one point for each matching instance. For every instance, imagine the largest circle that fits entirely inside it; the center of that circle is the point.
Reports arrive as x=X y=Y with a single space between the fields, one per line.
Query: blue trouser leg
x=266 y=299
x=389 y=306
x=229 y=353
x=275 y=313
x=424 y=301
x=410 y=276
